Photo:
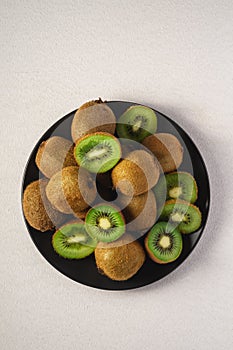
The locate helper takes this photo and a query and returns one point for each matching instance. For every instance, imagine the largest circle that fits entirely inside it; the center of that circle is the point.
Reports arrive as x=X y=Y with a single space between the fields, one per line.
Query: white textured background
x=176 y=56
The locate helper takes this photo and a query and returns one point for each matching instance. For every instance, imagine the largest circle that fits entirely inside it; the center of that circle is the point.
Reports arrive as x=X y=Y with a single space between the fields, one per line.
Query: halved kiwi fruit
x=167 y=149
x=97 y=152
x=54 y=154
x=136 y=123
x=38 y=211
x=105 y=223
x=176 y=185
x=71 y=190
x=164 y=243
x=120 y=260
x=186 y=217
x=71 y=241
x=136 y=174
x=93 y=116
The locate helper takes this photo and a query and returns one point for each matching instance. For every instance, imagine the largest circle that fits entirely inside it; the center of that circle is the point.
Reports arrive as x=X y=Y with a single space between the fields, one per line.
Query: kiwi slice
x=71 y=241
x=164 y=243
x=105 y=223
x=97 y=152
x=187 y=217
x=136 y=123
x=120 y=260
x=93 y=116
x=175 y=185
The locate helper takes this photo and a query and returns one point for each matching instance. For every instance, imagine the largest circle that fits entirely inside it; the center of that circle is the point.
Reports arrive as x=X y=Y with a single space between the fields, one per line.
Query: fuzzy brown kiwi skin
x=81 y=214
x=48 y=164
x=38 y=211
x=89 y=121
x=159 y=144
x=65 y=198
x=141 y=211
x=138 y=164
x=91 y=103
x=120 y=260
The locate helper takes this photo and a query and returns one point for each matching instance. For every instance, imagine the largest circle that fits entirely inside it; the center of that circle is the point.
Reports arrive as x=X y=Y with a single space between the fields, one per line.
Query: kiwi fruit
x=97 y=152
x=71 y=190
x=186 y=216
x=163 y=243
x=54 y=154
x=136 y=174
x=176 y=185
x=119 y=260
x=71 y=241
x=38 y=211
x=82 y=213
x=136 y=123
x=139 y=212
x=167 y=149
x=105 y=223
x=93 y=116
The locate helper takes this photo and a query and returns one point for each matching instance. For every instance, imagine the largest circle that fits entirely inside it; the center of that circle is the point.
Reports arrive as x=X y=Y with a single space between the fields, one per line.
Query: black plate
x=85 y=271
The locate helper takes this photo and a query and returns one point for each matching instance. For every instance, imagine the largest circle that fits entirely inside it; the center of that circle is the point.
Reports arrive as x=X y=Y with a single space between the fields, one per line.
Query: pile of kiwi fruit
x=113 y=190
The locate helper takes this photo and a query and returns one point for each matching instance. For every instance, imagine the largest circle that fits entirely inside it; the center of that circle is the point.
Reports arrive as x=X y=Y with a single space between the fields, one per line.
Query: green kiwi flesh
x=176 y=185
x=71 y=241
x=105 y=223
x=98 y=152
x=186 y=217
x=136 y=123
x=164 y=243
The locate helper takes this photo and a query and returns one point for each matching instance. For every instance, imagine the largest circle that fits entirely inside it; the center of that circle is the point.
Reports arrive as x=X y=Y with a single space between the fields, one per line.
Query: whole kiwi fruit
x=140 y=212
x=38 y=211
x=71 y=190
x=167 y=149
x=54 y=154
x=119 y=260
x=136 y=174
x=93 y=116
